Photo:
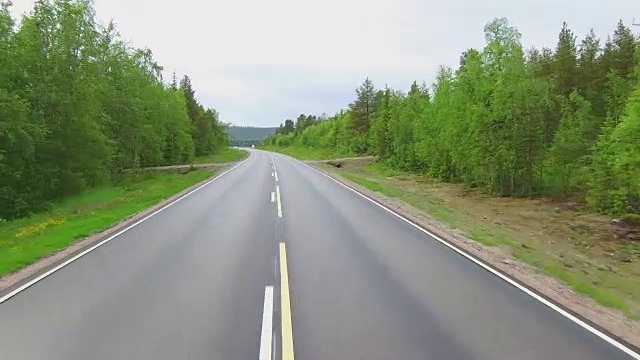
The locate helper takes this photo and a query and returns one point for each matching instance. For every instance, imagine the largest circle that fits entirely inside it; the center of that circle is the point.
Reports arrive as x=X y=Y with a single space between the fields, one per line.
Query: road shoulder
x=608 y=320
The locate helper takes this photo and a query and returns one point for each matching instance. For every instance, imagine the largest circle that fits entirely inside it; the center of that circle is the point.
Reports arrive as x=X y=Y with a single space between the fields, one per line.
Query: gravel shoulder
x=610 y=320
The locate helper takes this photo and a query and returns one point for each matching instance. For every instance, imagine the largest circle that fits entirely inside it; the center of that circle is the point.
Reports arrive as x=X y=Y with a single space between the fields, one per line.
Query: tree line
x=551 y=122
x=78 y=105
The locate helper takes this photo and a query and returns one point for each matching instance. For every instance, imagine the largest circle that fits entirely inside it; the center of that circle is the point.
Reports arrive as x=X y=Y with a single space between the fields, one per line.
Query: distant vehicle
x=253 y=146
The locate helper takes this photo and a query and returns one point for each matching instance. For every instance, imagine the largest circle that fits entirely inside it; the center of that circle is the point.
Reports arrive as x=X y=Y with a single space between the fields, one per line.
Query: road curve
x=274 y=260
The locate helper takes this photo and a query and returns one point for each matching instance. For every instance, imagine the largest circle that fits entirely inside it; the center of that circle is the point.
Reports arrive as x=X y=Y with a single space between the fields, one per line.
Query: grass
x=575 y=247
x=26 y=240
x=304 y=153
x=226 y=155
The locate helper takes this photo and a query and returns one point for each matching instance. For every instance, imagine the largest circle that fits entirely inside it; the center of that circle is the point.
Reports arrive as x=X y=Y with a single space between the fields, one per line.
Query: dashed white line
x=273 y=196
x=266 y=337
x=279 y=205
x=275 y=173
x=69 y=261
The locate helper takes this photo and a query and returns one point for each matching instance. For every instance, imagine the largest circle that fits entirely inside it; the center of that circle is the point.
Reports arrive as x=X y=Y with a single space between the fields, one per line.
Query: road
x=263 y=264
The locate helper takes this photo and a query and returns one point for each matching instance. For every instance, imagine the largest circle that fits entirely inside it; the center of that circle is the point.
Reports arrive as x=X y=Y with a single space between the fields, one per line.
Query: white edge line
x=273 y=196
x=278 y=201
x=85 y=252
x=512 y=282
x=266 y=337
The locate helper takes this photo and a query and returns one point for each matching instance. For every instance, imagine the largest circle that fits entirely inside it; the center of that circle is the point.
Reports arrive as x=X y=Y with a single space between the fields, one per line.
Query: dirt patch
x=579 y=246
x=15 y=279
x=349 y=162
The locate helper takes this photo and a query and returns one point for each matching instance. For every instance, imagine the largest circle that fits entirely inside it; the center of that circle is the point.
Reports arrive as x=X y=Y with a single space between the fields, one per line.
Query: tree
x=78 y=105
x=570 y=148
x=590 y=73
x=552 y=122
x=615 y=184
x=565 y=62
x=363 y=108
x=380 y=126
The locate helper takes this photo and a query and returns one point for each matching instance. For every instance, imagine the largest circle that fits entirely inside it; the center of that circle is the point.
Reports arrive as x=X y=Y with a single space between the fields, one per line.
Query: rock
x=626 y=233
x=616 y=222
x=620 y=233
x=633 y=235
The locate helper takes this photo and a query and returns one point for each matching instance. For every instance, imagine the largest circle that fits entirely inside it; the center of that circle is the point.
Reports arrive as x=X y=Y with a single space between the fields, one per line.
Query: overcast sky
x=259 y=62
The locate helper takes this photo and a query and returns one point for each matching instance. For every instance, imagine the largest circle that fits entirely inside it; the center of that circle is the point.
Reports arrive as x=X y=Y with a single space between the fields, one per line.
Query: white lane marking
x=278 y=201
x=85 y=252
x=266 y=338
x=273 y=196
x=272 y=174
x=512 y=282
x=276 y=175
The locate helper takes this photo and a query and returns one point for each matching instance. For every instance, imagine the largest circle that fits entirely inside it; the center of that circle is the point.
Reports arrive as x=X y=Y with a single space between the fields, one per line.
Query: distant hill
x=248 y=135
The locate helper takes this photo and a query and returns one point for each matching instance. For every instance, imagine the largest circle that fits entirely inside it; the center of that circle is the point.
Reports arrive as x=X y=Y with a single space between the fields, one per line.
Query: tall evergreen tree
x=565 y=62
x=363 y=108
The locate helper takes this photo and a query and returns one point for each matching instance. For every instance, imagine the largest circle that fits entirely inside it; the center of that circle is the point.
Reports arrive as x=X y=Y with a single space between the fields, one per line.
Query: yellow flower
x=24 y=232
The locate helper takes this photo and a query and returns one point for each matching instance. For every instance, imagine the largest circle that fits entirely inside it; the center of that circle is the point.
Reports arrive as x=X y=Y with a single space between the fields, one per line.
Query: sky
x=259 y=62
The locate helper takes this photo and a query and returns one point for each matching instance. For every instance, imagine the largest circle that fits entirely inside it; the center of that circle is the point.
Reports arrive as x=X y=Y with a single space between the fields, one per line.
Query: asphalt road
x=242 y=270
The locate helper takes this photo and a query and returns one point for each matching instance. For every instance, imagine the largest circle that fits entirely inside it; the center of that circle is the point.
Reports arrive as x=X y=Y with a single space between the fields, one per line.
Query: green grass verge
x=610 y=292
x=223 y=156
x=304 y=153
x=26 y=240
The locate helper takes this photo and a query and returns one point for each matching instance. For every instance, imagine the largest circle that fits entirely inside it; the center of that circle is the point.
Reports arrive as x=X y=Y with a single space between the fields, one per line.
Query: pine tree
x=591 y=76
x=363 y=108
x=565 y=62
x=615 y=185
x=380 y=127
x=570 y=148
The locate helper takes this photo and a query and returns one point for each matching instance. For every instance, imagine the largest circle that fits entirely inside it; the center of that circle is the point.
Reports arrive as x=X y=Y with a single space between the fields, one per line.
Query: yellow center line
x=287 y=330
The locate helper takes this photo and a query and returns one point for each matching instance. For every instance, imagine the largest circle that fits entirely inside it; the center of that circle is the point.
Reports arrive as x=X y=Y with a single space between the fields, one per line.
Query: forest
x=78 y=105
x=248 y=135
x=561 y=122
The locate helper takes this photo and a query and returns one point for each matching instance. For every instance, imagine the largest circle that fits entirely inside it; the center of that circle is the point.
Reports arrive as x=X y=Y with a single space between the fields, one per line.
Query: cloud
x=259 y=62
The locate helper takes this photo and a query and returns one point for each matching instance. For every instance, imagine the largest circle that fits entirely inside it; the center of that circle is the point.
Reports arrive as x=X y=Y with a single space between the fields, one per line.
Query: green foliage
x=78 y=105
x=553 y=122
x=572 y=143
x=28 y=239
x=616 y=184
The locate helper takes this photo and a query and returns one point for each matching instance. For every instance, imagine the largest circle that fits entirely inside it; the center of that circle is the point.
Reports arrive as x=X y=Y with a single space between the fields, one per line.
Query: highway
x=274 y=260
